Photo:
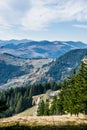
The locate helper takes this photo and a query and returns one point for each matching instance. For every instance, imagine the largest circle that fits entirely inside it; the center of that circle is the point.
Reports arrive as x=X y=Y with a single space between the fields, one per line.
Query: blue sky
x=43 y=20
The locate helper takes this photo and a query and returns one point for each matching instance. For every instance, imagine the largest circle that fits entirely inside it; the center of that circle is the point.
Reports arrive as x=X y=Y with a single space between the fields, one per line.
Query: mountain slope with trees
x=20 y=98
x=63 y=66
x=72 y=97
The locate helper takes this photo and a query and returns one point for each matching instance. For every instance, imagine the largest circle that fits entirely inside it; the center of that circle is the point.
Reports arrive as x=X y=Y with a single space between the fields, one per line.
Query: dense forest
x=72 y=97
x=20 y=98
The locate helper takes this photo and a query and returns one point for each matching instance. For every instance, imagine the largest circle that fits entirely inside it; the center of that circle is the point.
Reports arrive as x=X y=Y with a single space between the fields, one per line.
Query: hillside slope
x=63 y=66
x=11 y=67
x=16 y=71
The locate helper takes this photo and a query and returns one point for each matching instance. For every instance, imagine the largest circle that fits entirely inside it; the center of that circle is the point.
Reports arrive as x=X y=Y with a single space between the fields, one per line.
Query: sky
x=52 y=20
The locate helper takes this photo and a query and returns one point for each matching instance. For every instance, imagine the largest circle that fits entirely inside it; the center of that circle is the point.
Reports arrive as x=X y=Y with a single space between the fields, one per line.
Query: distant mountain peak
x=35 y=49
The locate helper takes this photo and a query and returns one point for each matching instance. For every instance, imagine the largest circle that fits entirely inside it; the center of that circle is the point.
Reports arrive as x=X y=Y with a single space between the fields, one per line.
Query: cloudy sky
x=43 y=19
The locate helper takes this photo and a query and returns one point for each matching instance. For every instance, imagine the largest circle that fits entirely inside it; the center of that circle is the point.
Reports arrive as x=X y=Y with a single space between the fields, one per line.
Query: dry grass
x=44 y=120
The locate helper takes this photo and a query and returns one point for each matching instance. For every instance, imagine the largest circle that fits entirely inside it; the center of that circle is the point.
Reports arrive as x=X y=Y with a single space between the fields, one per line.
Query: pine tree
x=73 y=95
x=46 y=109
x=82 y=79
x=60 y=103
x=41 y=108
x=53 y=106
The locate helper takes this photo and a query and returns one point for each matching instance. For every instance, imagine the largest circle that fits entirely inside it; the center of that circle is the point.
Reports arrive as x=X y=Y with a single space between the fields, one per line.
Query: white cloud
x=12 y=11
x=39 y=14
x=80 y=26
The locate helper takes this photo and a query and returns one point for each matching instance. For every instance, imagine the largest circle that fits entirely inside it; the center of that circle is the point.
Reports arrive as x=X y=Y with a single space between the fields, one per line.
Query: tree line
x=20 y=98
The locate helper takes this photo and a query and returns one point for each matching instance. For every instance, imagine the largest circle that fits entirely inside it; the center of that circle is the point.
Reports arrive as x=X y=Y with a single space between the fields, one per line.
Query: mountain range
x=17 y=72
x=38 y=49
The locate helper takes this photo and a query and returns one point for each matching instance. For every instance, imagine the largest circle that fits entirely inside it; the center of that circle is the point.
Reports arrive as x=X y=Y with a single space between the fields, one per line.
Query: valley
x=17 y=72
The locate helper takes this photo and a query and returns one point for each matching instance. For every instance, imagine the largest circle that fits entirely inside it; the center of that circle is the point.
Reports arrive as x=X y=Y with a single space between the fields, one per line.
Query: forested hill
x=64 y=65
x=20 y=98
x=72 y=98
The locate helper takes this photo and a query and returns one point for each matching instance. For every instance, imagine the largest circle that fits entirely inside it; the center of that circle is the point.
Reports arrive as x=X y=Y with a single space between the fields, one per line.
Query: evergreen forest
x=18 y=99
x=72 y=98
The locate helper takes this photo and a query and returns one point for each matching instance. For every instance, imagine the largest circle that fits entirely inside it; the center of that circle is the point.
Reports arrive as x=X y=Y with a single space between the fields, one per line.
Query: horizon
x=51 y=20
x=42 y=40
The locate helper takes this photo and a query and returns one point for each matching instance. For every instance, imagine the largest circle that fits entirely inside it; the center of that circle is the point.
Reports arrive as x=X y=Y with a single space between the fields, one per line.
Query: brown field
x=44 y=120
